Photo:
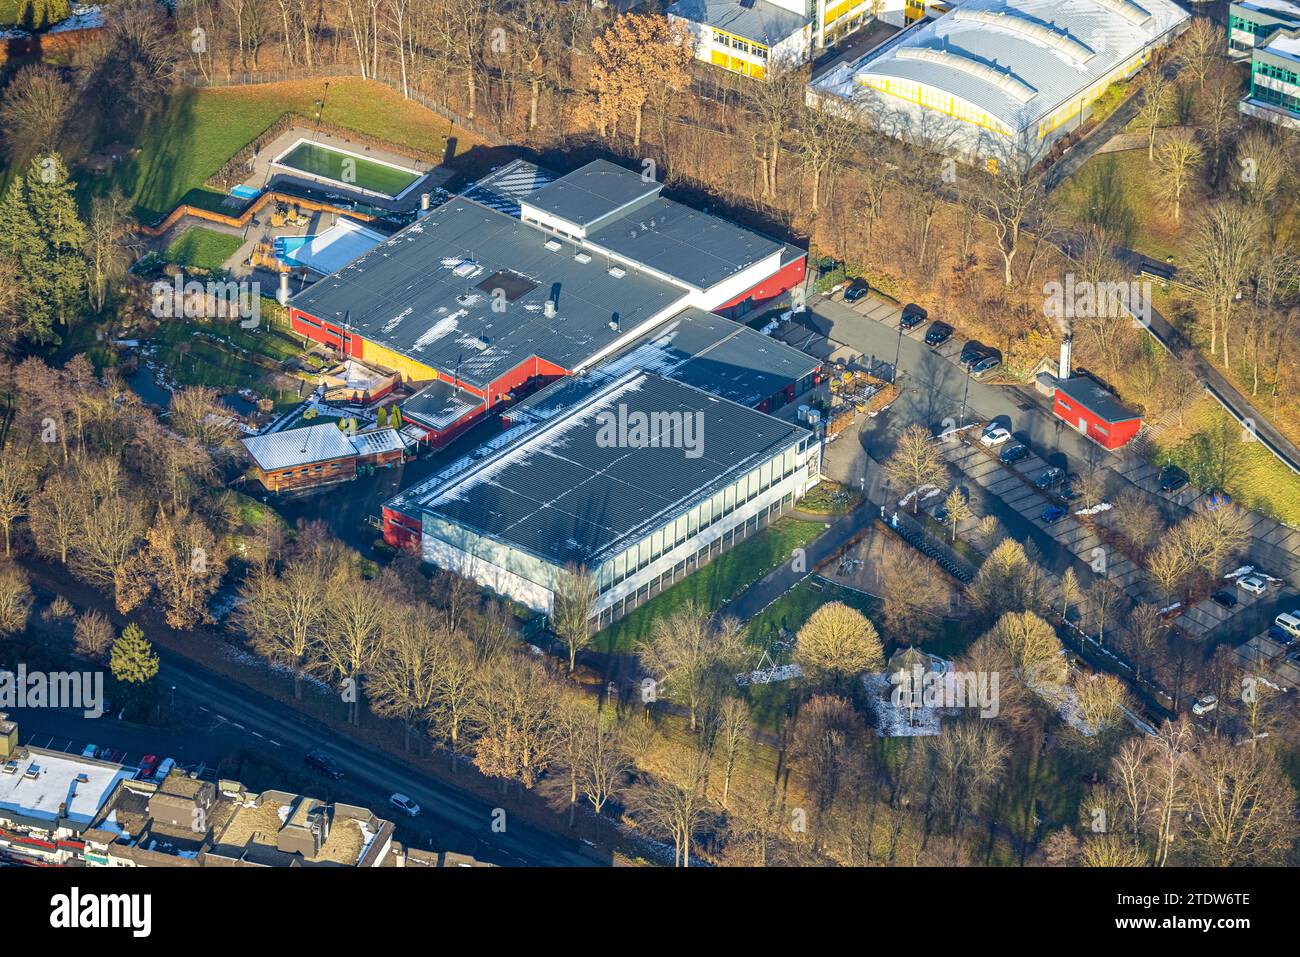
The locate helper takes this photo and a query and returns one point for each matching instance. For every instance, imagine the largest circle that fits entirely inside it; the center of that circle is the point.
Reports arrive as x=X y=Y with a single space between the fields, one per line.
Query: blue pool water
x=245 y=192
x=286 y=246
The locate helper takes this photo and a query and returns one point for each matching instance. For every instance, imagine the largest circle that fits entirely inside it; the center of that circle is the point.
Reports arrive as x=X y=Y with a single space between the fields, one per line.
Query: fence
x=407 y=91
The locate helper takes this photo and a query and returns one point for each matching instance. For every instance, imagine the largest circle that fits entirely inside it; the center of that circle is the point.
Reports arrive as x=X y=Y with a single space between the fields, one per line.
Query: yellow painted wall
x=833 y=13
x=409 y=369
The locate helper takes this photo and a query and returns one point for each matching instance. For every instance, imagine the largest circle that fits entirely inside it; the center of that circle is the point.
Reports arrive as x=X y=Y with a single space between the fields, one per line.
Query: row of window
x=694 y=562
x=1249 y=26
x=1276 y=72
x=737 y=64
x=931 y=98
x=287 y=473
x=1276 y=97
x=739 y=43
x=837 y=11
x=702 y=516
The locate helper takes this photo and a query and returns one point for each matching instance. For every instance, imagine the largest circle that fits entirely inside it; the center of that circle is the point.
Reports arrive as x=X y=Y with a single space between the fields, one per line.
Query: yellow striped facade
x=935 y=99
x=845 y=8
x=740 y=55
x=842 y=17
x=1079 y=103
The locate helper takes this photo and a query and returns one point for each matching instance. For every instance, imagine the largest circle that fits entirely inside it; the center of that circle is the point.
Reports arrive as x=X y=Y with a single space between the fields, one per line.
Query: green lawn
x=202 y=248
x=794 y=608
x=198 y=130
x=830 y=498
x=359 y=171
x=768 y=703
x=1262 y=483
x=1121 y=183
x=716 y=583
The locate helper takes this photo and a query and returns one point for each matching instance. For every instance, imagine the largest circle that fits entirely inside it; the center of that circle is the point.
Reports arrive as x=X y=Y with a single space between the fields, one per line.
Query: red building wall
x=1109 y=435
x=401 y=531
x=780 y=281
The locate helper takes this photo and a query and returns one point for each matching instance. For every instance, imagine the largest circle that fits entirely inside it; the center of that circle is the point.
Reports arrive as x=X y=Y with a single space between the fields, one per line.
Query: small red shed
x=1093 y=411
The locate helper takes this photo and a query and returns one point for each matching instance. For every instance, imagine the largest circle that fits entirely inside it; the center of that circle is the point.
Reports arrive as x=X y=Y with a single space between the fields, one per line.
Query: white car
x=1252 y=584
x=404 y=804
x=1205 y=705
x=994 y=437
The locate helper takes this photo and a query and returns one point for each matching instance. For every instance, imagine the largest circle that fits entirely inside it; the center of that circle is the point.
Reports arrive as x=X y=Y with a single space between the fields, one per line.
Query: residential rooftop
x=52 y=786
x=275 y=827
x=564 y=493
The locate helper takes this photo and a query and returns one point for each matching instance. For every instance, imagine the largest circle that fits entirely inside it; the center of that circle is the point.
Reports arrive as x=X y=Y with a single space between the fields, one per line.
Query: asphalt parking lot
x=1281 y=663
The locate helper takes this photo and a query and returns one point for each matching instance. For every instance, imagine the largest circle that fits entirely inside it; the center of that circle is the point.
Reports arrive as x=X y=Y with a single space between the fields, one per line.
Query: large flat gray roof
x=592 y=192
x=690 y=246
x=426 y=293
x=702 y=349
x=560 y=494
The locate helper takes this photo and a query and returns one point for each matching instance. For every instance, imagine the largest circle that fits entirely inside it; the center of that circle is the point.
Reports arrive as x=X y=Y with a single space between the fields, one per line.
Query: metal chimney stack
x=1067 y=346
x=282 y=296
x=549 y=309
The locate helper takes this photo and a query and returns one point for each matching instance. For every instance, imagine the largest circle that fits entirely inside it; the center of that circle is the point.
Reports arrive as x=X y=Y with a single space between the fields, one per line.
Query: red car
x=148 y=764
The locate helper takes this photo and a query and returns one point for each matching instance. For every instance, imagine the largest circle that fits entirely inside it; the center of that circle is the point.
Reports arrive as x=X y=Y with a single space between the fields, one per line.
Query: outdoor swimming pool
x=245 y=192
x=348 y=170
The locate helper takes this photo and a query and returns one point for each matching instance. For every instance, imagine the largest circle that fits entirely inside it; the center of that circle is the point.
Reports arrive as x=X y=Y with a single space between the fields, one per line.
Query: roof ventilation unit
x=553 y=245
x=465 y=267
x=548 y=310
x=583 y=257
x=618 y=272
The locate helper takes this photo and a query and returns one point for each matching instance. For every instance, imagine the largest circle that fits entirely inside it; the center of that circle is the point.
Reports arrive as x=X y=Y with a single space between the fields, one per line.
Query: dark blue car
x=1054 y=513
x=1014 y=453
x=913 y=315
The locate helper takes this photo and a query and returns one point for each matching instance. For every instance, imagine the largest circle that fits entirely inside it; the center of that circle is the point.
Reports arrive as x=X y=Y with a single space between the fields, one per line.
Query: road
x=224 y=716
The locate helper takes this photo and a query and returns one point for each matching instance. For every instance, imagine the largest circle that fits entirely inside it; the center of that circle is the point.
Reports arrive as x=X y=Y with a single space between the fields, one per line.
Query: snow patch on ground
x=1094 y=510
x=1245 y=570
x=1065 y=699
x=771 y=675
x=927 y=492
x=896 y=722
